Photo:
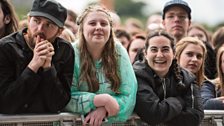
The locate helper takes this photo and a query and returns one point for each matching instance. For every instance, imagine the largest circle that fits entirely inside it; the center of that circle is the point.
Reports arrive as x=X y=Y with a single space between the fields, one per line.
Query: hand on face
x=42 y=56
x=95 y=117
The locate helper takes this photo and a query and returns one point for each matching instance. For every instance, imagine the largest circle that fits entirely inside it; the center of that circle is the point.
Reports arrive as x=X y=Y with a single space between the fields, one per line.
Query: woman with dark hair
x=8 y=18
x=167 y=94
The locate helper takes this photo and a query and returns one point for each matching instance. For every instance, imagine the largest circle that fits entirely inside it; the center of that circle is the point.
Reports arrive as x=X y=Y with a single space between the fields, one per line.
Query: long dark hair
x=8 y=10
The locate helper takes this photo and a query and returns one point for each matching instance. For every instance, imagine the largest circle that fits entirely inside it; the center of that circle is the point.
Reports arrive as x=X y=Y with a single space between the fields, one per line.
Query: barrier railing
x=212 y=118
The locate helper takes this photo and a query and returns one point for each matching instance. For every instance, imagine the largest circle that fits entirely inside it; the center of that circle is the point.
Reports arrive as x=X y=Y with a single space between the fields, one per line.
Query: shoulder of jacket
x=139 y=65
x=9 y=39
x=210 y=83
x=142 y=69
x=188 y=76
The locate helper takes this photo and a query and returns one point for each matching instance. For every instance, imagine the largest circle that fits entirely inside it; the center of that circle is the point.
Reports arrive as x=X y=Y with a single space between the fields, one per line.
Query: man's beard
x=32 y=38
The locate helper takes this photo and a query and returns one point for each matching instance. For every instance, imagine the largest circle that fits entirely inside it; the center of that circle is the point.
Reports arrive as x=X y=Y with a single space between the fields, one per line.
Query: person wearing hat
x=177 y=18
x=36 y=66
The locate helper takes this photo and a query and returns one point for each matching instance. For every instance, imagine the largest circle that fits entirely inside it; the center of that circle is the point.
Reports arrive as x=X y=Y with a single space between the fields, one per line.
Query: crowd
x=57 y=61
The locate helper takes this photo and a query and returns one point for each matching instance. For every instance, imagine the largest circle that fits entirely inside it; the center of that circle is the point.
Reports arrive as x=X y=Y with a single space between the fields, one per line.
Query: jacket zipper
x=192 y=95
x=164 y=87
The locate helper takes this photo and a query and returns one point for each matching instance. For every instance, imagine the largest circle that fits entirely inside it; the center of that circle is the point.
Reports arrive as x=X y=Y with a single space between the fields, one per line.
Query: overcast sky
x=203 y=11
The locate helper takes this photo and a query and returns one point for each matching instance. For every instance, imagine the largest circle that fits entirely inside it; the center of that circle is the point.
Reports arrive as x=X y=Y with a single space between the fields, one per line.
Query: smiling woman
x=104 y=84
x=167 y=94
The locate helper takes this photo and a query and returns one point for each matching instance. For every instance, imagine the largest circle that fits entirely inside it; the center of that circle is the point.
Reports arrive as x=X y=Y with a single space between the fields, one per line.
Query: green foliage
x=22 y=12
x=221 y=24
x=129 y=8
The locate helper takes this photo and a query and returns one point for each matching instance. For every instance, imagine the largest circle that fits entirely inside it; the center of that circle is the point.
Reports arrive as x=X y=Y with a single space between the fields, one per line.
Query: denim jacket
x=208 y=94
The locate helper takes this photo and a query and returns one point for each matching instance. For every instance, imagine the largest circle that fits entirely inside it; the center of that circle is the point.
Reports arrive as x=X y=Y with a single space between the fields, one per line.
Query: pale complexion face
x=191 y=58
x=159 y=55
x=136 y=45
x=96 y=29
x=124 y=41
x=42 y=27
x=176 y=22
x=194 y=32
x=70 y=24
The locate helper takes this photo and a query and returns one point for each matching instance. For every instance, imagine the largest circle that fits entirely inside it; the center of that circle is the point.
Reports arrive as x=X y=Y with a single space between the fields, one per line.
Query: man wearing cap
x=36 y=66
x=177 y=18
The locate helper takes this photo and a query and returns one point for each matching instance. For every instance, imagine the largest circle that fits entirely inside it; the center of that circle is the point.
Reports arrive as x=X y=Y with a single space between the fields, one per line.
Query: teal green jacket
x=82 y=101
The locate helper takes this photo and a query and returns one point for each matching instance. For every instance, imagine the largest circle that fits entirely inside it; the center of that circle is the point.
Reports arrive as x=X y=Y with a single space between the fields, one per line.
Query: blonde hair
x=91 y=9
x=219 y=69
x=182 y=44
x=109 y=56
x=67 y=35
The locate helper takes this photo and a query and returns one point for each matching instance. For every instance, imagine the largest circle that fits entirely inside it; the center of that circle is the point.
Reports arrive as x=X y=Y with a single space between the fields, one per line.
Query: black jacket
x=210 y=64
x=22 y=90
x=159 y=100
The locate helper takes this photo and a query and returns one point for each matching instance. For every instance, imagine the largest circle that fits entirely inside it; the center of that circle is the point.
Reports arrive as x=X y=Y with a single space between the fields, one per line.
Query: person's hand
x=40 y=52
x=220 y=98
x=107 y=101
x=95 y=118
x=112 y=106
x=47 y=63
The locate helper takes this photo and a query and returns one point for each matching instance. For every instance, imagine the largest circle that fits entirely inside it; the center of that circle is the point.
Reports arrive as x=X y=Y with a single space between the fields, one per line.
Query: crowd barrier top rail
x=37 y=117
x=212 y=118
x=217 y=113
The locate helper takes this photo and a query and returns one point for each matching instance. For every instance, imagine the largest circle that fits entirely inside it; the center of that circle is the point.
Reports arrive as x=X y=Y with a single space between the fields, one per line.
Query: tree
x=129 y=8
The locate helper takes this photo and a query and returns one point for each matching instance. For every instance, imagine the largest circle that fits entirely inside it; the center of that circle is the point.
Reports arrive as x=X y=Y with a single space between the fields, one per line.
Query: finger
x=42 y=46
x=50 y=47
x=50 y=54
x=91 y=122
x=86 y=119
x=42 y=57
x=38 y=39
x=96 y=122
x=100 y=122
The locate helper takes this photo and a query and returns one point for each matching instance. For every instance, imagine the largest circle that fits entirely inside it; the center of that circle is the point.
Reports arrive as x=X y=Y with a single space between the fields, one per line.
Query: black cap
x=49 y=9
x=179 y=3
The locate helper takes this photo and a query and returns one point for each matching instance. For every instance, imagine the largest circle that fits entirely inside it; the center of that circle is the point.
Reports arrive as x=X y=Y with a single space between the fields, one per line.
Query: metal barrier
x=212 y=118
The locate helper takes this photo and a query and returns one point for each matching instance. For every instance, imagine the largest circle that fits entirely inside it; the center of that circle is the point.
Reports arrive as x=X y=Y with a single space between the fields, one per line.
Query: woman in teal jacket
x=104 y=83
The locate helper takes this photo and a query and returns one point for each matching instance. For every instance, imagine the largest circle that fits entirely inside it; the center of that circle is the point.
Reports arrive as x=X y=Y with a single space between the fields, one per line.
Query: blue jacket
x=208 y=94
